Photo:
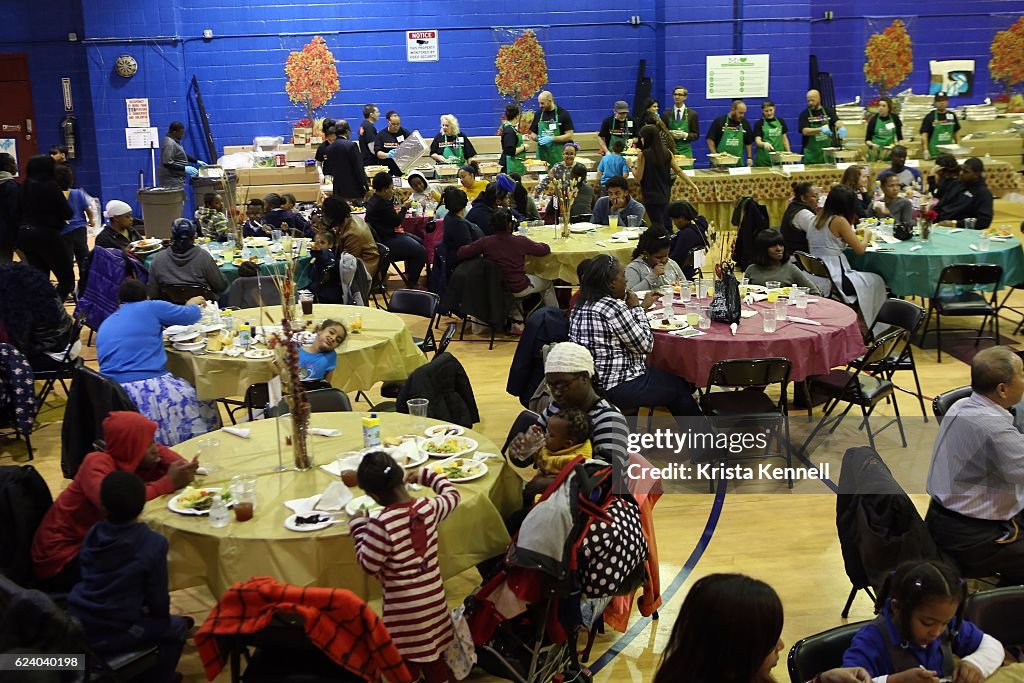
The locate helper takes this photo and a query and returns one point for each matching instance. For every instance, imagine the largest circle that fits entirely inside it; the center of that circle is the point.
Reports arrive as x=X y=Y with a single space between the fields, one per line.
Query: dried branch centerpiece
x=566 y=188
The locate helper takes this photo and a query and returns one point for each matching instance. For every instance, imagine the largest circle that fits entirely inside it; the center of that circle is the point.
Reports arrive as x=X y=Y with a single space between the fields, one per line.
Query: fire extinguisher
x=67 y=127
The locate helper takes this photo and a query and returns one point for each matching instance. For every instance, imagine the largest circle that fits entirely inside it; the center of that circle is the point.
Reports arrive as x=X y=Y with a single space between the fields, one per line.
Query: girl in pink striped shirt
x=398 y=545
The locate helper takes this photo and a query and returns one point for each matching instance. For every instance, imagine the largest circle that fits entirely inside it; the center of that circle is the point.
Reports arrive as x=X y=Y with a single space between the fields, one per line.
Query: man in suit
x=344 y=163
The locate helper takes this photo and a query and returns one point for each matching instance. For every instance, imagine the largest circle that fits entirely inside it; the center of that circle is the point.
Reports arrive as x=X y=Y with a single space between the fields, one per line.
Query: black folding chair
x=997 y=613
x=855 y=387
x=446 y=338
x=907 y=316
x=969 y=303
x=320 y=401
x=944 y=401
x=180 y=294
x=379 y=283
x=64 y=370
x=823 y=651
x=423 y=304
x=744 y=404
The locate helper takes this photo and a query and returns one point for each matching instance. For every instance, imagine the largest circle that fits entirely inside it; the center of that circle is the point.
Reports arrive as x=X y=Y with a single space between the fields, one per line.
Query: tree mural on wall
x=312 y=77
x=522 y=70
x=1007 y=63
x=889 y=57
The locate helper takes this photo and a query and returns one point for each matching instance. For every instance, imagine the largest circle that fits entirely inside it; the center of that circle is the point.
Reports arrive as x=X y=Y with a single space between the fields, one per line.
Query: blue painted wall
x=40 y=30
x=592 y=54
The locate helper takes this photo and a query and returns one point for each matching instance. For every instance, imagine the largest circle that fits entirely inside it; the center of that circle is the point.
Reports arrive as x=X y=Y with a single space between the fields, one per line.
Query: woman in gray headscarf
x=184 y=263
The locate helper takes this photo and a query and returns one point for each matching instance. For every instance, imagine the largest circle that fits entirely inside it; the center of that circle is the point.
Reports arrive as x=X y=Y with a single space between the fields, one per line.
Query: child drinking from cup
x=920 y=629
x=318 y=359
x=398 y=545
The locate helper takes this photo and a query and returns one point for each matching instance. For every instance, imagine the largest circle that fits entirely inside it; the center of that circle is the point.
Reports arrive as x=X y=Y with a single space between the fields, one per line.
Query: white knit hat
x=115 y=207
x=569 y=357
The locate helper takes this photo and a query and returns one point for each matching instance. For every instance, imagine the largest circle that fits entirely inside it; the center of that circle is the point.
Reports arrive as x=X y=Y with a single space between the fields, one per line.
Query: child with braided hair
x=398 y=545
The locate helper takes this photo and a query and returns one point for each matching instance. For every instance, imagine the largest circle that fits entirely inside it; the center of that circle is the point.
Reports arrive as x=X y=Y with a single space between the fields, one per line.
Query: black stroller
x=579 y=546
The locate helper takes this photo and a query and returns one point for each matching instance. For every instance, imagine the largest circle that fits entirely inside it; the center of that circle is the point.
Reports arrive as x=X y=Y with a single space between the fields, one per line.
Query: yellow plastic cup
x=613 y=220
x=773 y=295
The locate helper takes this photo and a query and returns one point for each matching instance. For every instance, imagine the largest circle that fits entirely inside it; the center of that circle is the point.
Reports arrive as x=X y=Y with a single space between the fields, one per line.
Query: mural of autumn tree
x=312 y=77
x=1007 y=63
x=522 y=70
x=890 y=58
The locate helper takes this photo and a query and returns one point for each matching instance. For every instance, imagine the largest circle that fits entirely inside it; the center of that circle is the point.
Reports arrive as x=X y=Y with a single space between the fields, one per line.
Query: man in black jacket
x=8 y=207
x=368 y=134
x=386 y=222
x=344 y=162
x=972 y=199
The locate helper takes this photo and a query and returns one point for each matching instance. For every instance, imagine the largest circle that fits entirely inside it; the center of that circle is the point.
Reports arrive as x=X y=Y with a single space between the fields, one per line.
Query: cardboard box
x=295 y=152
x=283 y=175
x=302 y=192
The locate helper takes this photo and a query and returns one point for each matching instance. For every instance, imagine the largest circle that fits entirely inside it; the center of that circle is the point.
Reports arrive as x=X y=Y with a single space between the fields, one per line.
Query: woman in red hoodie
x=130 y=447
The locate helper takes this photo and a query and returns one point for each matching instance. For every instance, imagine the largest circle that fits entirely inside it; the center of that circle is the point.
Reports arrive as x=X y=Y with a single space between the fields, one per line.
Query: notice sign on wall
x=421 y=46
x=138 y=112
x=733 y=76
x=141 y=138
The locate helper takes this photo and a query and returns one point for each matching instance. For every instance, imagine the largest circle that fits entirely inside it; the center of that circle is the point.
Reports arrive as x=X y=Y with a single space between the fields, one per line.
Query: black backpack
x=24 y=500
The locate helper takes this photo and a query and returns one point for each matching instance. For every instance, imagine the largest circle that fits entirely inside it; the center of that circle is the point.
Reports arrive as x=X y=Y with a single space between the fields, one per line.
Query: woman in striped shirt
x=398 y=545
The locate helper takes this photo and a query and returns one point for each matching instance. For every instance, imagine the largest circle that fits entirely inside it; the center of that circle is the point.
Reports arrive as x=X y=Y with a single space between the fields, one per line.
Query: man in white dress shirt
x=976 y=479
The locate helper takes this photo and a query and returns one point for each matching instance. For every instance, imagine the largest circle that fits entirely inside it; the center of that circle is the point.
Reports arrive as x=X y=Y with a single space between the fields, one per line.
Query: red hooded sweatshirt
x=60 y=535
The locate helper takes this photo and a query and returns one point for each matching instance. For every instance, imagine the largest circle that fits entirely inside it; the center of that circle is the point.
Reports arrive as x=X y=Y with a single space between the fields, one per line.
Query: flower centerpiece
x=566 y=188
x=312 y=81
x=1007 y=63
x=889 y=57
x=285 y=345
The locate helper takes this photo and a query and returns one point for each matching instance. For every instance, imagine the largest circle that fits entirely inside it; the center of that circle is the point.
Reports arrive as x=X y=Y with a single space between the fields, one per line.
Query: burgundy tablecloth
x=417 y=225
x=813 y=350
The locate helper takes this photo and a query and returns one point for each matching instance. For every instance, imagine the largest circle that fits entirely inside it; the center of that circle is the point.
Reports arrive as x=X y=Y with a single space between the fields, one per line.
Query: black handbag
x=903 y=231
x=726 y=304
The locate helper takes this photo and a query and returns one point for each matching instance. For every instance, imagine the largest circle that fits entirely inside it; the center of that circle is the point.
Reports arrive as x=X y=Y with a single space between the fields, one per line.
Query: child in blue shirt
x=920 y=630
x=318 y=359
x=122 y=598
x=254 y=225
x=613 y=164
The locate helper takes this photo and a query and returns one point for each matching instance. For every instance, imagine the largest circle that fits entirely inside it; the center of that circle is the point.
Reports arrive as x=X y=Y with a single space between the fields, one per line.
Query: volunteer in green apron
x=732 y=134
x=551 y=128
x=618 y=126
x=940 y=127
x=450 y=146
x=884 y=130
x=770 y=135
x=513 y=149
x=816 y=129
x=681 y=119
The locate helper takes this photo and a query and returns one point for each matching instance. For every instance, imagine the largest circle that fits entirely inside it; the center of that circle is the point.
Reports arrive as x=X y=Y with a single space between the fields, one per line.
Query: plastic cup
x=209 y=449
x=418 y=409
x=633 y=221
x=773 y=290
x=705 y=318
x=275 y=235
x=768 y=318
x=684 y=292
x=356 y=325
x=243 y=491
x=613 y=220
x=780 y=307
x=692 y=314
x=984 y=243
x=970 y=223
x=801 y=297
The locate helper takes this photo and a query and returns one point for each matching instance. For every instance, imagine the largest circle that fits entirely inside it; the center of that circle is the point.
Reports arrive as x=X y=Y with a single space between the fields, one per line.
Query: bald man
x=976 y=479
x=816 y=126
x=551 y=129
x=732 y=134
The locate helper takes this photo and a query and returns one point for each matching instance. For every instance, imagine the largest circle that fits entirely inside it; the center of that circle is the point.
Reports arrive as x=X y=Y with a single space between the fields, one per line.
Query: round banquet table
x=202 y=555
x=567 y=253
x=268 y=263
x=383 y=351
x=915 y=273
x=812 y=349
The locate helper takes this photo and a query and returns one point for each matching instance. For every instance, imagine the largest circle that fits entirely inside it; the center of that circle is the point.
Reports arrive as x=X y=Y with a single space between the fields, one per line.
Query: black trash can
x=225 y=186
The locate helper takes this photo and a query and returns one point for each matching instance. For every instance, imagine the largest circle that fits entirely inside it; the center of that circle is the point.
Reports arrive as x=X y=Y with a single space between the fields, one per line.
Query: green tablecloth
x=915 y=273
x=273 y=267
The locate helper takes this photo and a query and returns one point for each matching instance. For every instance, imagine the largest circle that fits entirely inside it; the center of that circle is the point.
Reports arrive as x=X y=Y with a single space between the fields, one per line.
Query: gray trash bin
x=161 y=206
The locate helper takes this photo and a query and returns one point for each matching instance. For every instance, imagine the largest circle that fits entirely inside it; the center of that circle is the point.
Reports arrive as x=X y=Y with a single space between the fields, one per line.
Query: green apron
x=626 y=127
x=453 y=150
x=942 y=133
x=682 y=146
x=885 y=135
x=814 y=150
x=731 y=142
x=515 y=164
x=552 y=153
x=771 y=132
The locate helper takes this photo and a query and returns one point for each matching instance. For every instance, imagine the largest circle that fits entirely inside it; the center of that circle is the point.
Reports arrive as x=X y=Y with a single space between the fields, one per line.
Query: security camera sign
x=421 y=46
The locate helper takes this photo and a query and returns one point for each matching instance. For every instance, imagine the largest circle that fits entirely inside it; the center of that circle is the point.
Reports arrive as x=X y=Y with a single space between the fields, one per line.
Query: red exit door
x=17 y=117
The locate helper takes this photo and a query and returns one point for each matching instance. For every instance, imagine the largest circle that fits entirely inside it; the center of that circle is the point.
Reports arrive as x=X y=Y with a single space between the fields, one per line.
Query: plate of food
x=361 y=504
x=148 y=244
x=259 y=354
x=186 y=336
x=459 y=470
x=312 y=521
x=197 y=501
x=189 y=346
x=444 y=430
x=669 y=324
x=448 y=446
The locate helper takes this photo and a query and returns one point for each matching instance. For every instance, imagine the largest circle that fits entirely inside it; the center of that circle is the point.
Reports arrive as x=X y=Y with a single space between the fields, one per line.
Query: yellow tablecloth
x=566 y=254
x=200 y=554
x=384 y=351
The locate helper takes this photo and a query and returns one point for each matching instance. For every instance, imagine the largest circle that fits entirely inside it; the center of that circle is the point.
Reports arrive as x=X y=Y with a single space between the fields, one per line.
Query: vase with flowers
x=924 y=223
x=566 y=188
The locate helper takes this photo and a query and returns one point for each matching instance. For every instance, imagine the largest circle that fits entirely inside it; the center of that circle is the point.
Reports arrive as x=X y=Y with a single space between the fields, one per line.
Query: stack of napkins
x=407 y=451
x=335 y=497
